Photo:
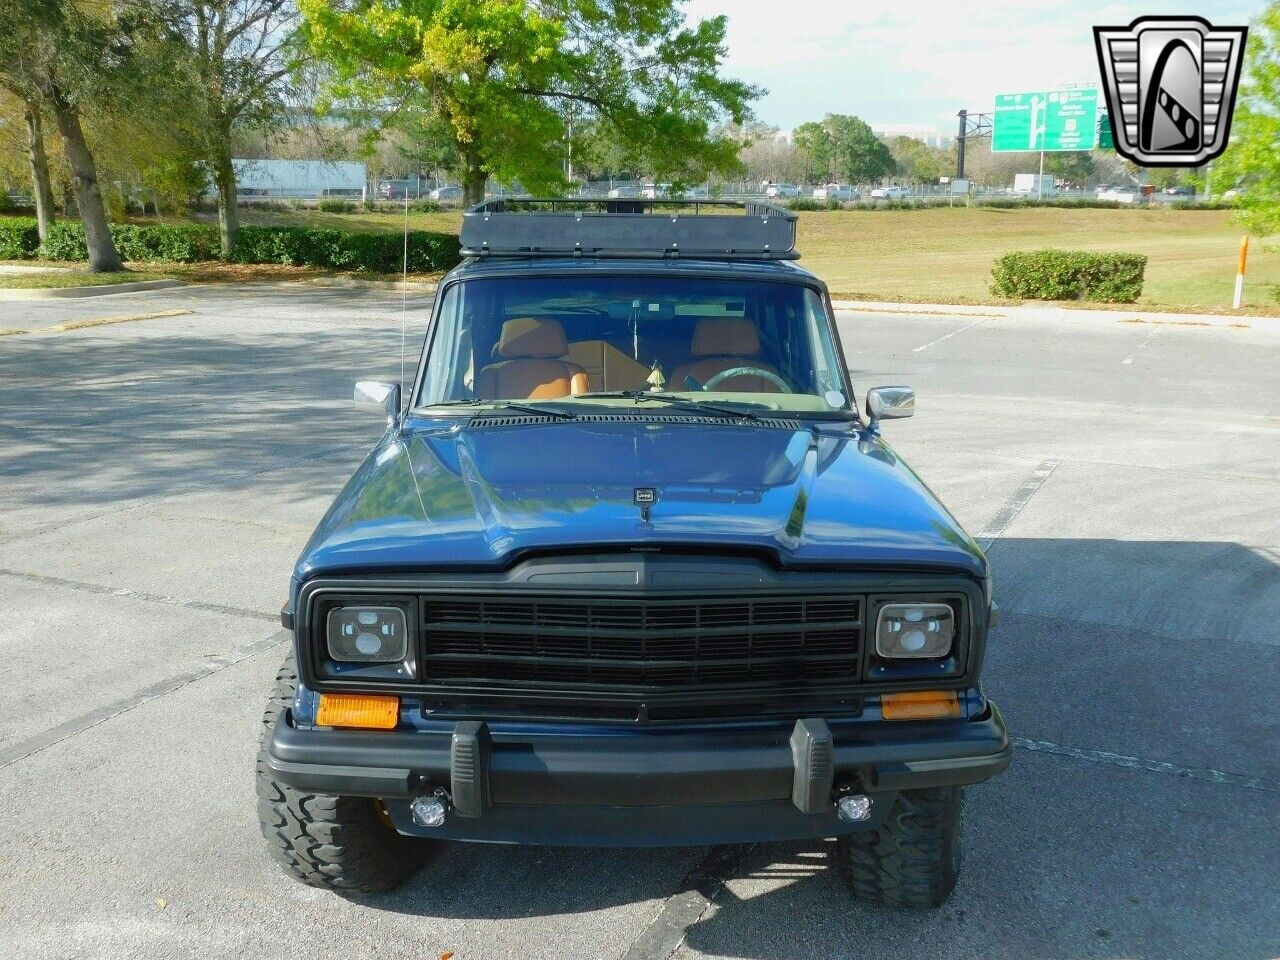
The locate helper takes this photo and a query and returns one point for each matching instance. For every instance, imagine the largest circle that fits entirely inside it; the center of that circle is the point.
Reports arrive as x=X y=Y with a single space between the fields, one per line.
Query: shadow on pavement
x=1065 y=856
x=102 y=420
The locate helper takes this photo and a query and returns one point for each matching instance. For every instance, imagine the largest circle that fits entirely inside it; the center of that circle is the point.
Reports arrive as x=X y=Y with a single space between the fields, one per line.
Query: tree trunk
x=39 y=169
x=473 y=180
x=103 y=257
x=224 y=178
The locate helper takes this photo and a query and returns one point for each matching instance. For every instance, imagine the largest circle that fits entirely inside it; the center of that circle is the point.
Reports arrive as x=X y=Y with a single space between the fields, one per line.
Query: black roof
x=630 y=229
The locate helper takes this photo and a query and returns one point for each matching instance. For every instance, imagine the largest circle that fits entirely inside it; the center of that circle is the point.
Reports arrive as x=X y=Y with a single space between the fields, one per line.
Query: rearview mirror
x=377 y=393
x=889 y=403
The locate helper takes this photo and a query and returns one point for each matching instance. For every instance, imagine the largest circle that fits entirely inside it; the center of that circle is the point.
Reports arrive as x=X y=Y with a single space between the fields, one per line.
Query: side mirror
x=384 y=395
x=889 y=403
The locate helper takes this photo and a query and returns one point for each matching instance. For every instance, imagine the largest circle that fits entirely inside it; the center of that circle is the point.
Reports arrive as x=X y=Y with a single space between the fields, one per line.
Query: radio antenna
x=404 y=293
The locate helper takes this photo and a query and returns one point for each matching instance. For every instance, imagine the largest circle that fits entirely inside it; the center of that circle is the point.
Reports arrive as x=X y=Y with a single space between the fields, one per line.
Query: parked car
x=399 y=189
x=655 y=191
x=1181 y=190
x=624 y=192
x=890 y=193
x=835 y=191
x=446 y=193
x=781 y=191
x=631 y=567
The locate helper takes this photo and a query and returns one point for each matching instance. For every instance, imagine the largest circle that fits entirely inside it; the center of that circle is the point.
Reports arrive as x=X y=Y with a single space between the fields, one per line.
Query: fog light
x=429 y=811
x=854 y=807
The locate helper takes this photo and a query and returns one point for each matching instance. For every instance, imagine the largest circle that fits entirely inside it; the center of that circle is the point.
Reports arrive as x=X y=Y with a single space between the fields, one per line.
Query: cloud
x=918 y=61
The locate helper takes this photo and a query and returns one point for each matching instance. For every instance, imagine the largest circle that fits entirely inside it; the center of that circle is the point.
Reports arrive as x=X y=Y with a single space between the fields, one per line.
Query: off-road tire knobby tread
x=338 y=843
x=913 y=858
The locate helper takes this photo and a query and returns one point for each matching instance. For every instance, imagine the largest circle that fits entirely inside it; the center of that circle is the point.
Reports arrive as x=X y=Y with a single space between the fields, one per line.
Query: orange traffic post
x=1244 y=256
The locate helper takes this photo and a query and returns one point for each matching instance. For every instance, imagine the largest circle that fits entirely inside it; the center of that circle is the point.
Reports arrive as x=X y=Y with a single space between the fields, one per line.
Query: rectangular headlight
x=915 y=630
x=367 y=634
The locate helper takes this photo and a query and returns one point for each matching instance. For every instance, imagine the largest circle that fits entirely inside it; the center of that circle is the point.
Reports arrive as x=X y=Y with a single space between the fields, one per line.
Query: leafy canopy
x=844 y=147
x=1253 y=158
x=505 y=76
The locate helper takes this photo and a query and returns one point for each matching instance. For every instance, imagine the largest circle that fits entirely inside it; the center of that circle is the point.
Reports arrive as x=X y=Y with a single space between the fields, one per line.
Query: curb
x=99 y=290
x=413 y=286
x=1060 y=314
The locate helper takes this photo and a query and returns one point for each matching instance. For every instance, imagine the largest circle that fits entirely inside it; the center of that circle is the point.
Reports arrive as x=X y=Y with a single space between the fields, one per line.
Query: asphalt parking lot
x=159 y=477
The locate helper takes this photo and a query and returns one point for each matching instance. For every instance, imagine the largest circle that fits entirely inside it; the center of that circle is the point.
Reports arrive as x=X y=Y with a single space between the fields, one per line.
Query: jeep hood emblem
x=645 y=498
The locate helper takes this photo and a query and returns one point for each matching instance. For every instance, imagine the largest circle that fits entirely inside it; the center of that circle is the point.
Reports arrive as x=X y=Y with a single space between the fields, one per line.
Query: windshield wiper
x=683 y=403
x=509 y=405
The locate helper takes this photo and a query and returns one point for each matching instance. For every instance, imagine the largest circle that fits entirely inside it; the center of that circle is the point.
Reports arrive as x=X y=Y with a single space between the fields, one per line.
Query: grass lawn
x=944 y=255
x=941 y=255
x=49 y=279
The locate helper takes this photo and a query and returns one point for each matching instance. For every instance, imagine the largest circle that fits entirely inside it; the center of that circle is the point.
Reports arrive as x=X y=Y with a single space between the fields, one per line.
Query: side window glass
x=826 y=367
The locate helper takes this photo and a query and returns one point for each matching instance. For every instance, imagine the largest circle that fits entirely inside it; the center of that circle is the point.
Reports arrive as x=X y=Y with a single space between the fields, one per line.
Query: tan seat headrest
x=725 y=337
x=532 y=338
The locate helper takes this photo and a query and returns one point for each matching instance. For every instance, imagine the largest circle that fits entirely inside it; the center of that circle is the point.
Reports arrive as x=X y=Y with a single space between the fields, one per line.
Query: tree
x=770 y=155
x=917 y=161
x=1253 y=158
x=502 y=74
x=1075 y=166
x=240 y=56
x=844 y=147
x=54 y=55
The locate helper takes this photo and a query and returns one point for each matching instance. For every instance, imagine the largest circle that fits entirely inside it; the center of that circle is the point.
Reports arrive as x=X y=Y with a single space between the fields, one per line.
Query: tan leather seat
x=532 y=364
x=725 y=343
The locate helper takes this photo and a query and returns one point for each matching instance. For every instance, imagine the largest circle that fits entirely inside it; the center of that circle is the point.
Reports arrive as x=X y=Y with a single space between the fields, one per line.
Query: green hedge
x=379 y=252
x=189 y=243
x=1069 y=275
x=19 y=238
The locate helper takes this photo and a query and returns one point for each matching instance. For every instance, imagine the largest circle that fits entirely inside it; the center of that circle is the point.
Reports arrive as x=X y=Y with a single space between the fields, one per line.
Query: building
x=301 y=179
x=928 y=134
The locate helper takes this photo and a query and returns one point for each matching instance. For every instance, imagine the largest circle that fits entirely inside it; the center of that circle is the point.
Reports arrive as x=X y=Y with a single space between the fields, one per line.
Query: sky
x=921 y=61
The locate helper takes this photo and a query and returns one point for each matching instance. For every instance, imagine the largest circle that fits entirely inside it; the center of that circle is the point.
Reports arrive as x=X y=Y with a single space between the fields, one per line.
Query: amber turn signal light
x=920 y=705
x=362 y=711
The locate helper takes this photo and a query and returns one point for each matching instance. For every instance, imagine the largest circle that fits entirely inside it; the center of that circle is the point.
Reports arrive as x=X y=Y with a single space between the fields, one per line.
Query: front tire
x=337 y=843
x=913 y=858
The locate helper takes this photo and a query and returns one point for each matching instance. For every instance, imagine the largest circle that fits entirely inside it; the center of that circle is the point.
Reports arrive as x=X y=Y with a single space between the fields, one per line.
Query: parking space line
x=665 y=932
x=69 y=728
x=127 y=318
x=1015 y=504
x=1129 y=359
x=968 y=326
x=139 y=595
x=1152 y=766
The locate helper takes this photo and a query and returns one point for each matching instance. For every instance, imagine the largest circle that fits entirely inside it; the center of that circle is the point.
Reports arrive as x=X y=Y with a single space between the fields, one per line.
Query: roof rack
x=702 y=229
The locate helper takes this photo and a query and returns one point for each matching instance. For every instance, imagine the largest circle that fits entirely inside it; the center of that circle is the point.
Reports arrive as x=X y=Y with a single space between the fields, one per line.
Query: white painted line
x=953 y=333
x=1129 y=358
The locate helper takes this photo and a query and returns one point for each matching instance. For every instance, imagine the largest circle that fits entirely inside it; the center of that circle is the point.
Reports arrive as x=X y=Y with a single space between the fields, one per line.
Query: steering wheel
x=724 y=375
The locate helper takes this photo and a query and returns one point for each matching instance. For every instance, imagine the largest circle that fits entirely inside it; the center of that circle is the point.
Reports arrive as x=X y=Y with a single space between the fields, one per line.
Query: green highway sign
x=1050 y=120
x=1106 y=136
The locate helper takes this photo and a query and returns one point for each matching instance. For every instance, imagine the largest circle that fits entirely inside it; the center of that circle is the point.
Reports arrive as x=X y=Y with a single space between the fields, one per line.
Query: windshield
x=587 y=339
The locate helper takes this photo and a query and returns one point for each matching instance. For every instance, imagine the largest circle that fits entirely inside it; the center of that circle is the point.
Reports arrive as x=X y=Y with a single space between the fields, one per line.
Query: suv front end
x=662 y=615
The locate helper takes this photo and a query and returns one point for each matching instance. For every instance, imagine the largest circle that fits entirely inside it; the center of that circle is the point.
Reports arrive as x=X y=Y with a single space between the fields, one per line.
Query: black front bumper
x=642 y=787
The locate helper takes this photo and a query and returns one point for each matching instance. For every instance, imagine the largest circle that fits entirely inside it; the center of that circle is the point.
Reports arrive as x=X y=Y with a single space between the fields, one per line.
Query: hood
x=476 y=495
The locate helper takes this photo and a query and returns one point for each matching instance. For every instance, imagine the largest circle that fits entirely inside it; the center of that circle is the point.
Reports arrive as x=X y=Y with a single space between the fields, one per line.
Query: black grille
x=636 y=645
